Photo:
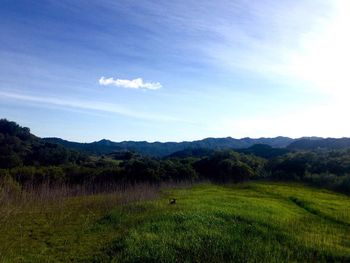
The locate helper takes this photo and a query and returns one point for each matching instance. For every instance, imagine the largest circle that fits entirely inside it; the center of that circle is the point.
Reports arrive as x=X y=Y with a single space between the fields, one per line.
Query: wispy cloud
x=130 y=84
x=90 y=105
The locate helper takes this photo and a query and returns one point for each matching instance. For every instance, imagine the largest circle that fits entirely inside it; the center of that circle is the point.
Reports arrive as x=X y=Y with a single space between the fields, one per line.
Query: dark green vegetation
x=314 y=144
x=63 y=204
x=249 y=222
x=322 y=168
x=18 y=147
x=27 y=159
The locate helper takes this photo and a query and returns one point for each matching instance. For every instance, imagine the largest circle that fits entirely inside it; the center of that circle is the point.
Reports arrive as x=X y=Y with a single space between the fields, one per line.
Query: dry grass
x=14 y=199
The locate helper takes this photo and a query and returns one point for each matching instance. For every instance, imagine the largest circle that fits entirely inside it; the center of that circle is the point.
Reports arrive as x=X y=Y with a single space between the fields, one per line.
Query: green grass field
x=250 y=222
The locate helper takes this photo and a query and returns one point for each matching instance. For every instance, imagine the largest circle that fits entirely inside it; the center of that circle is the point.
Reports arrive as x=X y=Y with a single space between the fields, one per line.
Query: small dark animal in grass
x=172 y=201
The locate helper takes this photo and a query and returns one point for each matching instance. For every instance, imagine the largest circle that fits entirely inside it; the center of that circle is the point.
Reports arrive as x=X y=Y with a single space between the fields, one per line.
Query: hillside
x=60 y=201
x=264 y=151
x=250 y=222
x=19 y=147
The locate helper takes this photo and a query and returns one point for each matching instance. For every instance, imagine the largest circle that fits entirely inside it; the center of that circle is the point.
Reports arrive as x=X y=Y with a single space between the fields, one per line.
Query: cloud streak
x=89 y=105
x=130 y=84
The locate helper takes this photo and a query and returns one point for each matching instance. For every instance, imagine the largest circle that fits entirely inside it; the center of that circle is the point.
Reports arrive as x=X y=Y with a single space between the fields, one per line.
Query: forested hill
x=19 y=147
x=160 y=149
x=314 y=144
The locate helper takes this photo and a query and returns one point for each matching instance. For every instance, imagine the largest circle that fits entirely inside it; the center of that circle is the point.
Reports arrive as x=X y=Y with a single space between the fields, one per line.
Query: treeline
x=226 y=166
x=326 y=168
x=27 y=159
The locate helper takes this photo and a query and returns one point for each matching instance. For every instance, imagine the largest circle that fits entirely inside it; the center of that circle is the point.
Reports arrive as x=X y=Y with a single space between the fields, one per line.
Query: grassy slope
x=255 y=222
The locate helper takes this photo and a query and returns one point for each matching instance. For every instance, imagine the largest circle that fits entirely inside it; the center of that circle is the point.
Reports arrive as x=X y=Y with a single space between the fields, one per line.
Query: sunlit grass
x=250 y=222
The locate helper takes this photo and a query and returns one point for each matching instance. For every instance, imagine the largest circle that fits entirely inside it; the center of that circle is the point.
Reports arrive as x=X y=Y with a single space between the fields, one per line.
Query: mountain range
x=15 y=139
x=161 y=149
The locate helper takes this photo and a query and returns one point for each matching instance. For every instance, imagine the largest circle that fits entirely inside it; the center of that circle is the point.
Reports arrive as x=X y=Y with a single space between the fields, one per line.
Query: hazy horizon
x=200 y=139
x=176 y=71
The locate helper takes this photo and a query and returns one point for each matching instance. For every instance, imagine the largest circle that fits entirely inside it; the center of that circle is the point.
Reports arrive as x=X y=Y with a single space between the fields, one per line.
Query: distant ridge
x=161 y=149
x=317 y=143
x=264 y=147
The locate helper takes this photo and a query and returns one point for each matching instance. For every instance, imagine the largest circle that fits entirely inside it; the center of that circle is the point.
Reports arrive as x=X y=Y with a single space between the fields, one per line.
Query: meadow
x=246 y=222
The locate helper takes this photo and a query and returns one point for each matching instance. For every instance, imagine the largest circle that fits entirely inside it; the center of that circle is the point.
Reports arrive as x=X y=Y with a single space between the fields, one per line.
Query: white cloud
x=130 y=84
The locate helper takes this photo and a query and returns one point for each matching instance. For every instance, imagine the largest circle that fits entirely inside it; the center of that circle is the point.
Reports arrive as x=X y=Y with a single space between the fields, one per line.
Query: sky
x=154 y=70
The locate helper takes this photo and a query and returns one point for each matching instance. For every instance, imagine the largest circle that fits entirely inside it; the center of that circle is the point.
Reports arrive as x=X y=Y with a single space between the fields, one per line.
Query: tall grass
x=14 y=199
x=14 y=196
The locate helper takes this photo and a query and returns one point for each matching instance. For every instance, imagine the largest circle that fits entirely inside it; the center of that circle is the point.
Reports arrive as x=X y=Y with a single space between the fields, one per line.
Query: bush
x=178 y=170
x=142 y=169
x=229 y=166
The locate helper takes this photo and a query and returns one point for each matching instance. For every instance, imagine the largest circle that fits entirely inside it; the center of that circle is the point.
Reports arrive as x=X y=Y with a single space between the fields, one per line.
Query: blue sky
x=175 y=70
